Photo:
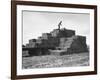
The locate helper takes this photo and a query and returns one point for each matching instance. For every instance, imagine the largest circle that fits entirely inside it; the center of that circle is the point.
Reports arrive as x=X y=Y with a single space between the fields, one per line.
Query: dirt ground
x=50 y=61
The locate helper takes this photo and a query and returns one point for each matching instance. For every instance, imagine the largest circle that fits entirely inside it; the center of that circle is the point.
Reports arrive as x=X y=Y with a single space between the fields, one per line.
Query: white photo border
x=21 y=71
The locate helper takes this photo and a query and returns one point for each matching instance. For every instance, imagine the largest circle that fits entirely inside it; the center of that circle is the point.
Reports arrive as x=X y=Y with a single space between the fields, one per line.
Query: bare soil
x=50 y=61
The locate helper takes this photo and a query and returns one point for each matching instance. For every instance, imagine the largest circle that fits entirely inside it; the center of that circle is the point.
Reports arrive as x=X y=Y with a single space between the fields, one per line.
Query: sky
x=36 y=23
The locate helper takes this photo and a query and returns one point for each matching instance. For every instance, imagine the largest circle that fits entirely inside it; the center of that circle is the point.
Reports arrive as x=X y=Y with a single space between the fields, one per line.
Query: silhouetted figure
x=60 y=24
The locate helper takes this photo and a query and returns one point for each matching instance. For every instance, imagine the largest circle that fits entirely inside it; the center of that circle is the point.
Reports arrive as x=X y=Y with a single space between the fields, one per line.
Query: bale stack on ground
x=57 y=42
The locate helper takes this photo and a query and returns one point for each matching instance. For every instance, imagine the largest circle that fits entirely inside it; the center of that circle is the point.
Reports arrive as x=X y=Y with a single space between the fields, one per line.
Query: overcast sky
x=36 y=23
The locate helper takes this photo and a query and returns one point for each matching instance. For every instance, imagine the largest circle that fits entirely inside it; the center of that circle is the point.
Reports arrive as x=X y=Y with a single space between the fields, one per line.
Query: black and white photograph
x=55 y=39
